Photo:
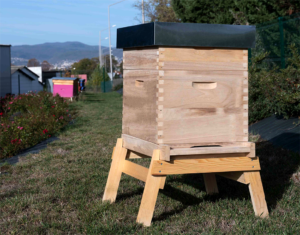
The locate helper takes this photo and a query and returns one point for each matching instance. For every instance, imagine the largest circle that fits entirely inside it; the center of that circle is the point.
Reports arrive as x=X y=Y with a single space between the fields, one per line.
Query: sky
x=30 y=22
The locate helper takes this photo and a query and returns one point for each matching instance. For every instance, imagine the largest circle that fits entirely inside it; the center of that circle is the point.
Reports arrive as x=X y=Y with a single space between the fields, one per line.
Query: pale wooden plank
x=202 y=59
x=257 y=194
x=112 y=156
x=209 y=150
x=138 y=172
x=195 y=66
x=205 y=165
x=199 y=55
x=138 y=145
x=61 y=82
x=135 y=170
x=192 y=115
x=150 y=194
x=252 y=153
x=139 y=104
x=135 y=155
x=164 y=152
x=209 y=75
x=210 y=183
x=140 y=59
x=115 y=172
x=236 y=176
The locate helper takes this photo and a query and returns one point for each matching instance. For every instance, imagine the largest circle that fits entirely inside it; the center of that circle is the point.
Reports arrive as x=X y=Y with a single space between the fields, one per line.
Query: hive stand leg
x=114 y=176
x=150 y=194
x=210 y=183
x=257 y=194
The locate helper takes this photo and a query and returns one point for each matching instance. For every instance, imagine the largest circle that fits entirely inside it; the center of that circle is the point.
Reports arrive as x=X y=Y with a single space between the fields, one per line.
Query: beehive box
x=65 y=87
x=186 y=85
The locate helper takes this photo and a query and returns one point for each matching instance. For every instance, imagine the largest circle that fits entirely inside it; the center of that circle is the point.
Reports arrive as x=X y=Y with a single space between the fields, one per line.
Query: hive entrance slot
x=202 y=146
x=139 y=83
x=204 y=85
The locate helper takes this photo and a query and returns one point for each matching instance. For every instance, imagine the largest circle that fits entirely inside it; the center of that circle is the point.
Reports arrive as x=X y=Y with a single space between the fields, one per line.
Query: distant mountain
x=58 y=53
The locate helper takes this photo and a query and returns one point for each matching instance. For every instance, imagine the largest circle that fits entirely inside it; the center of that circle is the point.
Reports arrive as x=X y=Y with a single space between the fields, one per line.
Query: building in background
x=23 y=80
x=38 y=71
x=51 y=74
x=5 y=74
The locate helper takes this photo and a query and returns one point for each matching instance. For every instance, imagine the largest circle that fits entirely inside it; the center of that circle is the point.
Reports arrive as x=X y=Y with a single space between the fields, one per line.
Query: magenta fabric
x=63 y=90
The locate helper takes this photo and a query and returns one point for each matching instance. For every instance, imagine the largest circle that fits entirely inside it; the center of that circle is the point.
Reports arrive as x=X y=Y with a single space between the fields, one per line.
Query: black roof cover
x=186 y=35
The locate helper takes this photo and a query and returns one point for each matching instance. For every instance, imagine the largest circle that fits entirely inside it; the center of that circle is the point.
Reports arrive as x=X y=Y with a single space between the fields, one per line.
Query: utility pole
x=100 y=47
x=110 y=37
x=100 y=50
x=143 y=13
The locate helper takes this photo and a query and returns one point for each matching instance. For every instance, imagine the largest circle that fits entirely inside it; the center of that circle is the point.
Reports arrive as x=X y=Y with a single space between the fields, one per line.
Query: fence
x=275 y=37
x=98 y=85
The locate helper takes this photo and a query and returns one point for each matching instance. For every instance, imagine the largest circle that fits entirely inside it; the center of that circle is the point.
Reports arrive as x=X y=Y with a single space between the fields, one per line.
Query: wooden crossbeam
x=209 y=150
x=137 y=171
x=236 y=176
x=136 y=155
x=205 y=165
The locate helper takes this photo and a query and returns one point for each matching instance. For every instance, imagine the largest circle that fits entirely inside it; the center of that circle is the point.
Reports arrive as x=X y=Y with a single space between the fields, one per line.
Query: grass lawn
x=59 y=190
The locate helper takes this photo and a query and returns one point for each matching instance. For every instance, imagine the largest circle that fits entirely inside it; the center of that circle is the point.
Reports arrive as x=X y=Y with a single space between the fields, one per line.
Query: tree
x=107 y=62
x=85 y=66
x=121 y=67
x=46 y=66
x=157 y=10
x=97 y=77
x=33 y=63
x=233 y=11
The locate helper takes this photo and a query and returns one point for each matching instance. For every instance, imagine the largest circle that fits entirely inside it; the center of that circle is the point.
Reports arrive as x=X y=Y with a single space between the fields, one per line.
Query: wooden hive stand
x=236 y=162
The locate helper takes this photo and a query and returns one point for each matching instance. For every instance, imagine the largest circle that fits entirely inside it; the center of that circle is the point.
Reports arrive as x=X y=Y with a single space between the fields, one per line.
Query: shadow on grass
x=277 y=167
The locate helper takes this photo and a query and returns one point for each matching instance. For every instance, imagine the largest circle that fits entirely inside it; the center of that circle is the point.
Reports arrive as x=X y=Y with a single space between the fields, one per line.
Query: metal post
x=282 y=54
x=110 y=45
x=19 y=80
x=143 y=13
x=100 y=50
x=103 y=80
x=110 y=37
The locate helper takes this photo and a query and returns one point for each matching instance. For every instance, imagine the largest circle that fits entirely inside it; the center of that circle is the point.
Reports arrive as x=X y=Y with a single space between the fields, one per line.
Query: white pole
x=143 y=13
x=110 y=45
x=100 y=50
x=110 y=37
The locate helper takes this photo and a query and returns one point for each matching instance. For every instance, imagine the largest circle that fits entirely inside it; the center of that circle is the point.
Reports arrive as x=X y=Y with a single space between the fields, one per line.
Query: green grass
x=59 y=190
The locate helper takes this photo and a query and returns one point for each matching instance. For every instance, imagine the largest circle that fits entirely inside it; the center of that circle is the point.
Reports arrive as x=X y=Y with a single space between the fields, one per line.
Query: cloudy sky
x=38 y=21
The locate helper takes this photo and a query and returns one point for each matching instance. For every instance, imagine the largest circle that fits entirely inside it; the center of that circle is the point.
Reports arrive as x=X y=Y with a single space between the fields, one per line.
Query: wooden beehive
x=185 y=96
x=65 y=87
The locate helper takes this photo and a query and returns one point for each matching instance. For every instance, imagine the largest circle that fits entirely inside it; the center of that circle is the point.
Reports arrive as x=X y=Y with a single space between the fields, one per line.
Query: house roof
x=5 y=45
x=20 y=68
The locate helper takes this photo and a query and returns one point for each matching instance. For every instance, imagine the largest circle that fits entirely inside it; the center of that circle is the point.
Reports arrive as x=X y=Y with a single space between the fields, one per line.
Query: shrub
x=274 y=91
x=27 y=119
x=118 y=87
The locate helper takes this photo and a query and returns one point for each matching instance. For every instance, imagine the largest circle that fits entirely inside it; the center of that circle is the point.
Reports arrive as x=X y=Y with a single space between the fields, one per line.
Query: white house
x=23 y=80
x=38 y=71
x=5 y=76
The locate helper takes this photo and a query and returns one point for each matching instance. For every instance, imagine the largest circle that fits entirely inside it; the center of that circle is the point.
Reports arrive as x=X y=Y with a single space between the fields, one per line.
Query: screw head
x=159 y=171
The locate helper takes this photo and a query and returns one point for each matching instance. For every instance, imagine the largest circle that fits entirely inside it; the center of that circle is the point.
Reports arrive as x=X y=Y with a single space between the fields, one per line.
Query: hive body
x=65 y=87
x=184 y=97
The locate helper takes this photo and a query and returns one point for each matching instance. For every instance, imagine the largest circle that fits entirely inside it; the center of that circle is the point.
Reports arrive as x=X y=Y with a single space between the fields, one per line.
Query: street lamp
x=143 y=19
x=100 y=48
x=110 y=36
